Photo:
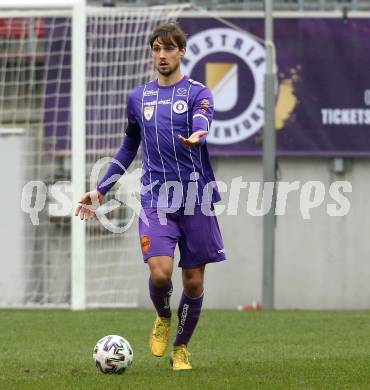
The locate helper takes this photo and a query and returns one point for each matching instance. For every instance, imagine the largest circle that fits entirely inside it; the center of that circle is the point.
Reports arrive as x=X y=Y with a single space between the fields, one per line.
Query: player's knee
x=193 y=287
x=160 y=278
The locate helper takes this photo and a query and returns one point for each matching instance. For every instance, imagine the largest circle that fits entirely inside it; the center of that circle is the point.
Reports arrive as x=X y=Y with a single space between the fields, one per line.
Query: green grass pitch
x=52 y=349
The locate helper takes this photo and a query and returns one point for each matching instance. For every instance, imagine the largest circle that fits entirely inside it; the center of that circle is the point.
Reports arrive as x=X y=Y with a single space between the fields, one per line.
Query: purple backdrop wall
x=322 y=99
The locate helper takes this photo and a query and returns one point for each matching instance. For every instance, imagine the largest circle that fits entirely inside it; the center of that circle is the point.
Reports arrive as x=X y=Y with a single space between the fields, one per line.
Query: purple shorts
x=198 y=236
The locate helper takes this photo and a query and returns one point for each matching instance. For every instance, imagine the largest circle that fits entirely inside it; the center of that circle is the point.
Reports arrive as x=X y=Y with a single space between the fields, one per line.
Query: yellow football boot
x=160 y=335
x=180 y=358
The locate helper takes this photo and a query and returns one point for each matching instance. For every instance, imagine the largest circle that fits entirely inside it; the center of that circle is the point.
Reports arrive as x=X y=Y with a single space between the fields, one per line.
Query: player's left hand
x=194 y=139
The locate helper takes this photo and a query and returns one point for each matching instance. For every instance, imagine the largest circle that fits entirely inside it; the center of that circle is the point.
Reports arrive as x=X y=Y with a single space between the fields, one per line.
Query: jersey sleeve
x=202 y=112
x=121 y=162
x=125 y=154
x=133 y=128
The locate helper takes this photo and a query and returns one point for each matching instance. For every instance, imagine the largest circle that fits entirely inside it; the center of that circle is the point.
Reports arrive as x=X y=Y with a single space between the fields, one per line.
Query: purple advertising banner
x=323 y=76
x=322 y=94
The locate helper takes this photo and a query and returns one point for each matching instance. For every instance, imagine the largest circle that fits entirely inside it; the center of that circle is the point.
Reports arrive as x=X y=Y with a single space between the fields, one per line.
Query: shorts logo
x=235 y=78
x=148 y=112
x=180 y=106
x=145 y=244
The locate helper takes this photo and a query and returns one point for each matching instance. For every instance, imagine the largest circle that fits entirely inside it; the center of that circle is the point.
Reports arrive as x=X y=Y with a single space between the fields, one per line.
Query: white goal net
x=35 y=149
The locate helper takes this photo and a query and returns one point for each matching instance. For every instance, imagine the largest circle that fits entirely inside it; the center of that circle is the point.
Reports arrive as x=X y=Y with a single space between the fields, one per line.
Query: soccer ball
x=113 y=354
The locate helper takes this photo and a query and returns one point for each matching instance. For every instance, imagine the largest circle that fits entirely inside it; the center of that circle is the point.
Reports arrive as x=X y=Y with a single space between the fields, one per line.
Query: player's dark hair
x=169 y=33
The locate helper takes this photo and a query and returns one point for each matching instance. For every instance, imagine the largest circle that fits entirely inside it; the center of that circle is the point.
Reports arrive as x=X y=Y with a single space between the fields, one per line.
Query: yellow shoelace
x=183 y=355
x=160 y=330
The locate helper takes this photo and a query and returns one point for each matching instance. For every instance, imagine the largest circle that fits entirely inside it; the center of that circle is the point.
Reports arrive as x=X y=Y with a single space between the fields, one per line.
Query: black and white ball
x=113 y=354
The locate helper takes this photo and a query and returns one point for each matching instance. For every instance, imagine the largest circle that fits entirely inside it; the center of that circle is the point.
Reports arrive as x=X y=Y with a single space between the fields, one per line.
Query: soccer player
x=170 y=116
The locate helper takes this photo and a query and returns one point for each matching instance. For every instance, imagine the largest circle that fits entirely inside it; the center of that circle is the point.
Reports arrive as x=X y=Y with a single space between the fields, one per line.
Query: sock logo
x=167 y=299
x=184 y=314
x=166 y=303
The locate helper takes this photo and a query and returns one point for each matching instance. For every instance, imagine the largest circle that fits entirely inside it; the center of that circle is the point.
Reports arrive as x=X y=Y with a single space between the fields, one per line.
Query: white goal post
x=68 y=82
x=77 y=9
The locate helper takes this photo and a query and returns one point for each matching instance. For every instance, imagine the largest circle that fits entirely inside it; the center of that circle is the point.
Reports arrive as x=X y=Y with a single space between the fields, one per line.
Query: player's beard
x=169 y=71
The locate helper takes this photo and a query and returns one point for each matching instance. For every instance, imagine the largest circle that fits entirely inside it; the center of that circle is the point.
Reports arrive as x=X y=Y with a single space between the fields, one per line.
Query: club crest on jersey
x=148 y=112
x=180 y=106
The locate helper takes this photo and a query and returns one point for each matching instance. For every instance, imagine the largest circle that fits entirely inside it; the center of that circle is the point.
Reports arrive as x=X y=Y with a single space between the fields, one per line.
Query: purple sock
x=161 y=298
x=188 y=313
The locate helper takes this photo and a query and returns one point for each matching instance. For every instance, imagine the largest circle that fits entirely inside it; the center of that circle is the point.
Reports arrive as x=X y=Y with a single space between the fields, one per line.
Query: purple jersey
x=161 y=113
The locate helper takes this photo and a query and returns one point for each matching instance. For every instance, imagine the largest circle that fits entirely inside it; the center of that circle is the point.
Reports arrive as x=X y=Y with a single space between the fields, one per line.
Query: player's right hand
x=88 y=203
